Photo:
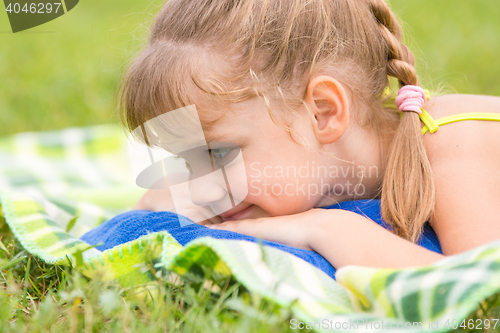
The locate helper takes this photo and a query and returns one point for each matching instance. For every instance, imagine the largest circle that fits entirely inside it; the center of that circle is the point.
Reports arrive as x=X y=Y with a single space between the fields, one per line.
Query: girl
x=299 y=85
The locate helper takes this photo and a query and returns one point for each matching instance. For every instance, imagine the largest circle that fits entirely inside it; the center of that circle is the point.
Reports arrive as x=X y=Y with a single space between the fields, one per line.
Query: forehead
x=240 y=118
x=225 y=125
x=187 y=128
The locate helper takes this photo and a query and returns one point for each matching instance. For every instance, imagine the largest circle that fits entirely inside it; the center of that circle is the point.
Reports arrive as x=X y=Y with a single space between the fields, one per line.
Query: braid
x=408 y=189
x=401 y=61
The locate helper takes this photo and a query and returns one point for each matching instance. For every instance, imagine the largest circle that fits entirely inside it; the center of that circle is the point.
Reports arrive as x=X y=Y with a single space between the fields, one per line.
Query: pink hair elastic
x=411 y=98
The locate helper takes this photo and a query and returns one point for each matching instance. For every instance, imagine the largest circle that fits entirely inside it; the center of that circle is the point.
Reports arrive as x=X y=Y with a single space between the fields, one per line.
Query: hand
x=161 y=200
x=292 y=230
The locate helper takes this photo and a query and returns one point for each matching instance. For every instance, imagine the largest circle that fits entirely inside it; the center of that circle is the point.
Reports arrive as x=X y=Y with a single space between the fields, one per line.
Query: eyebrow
x=216 y=137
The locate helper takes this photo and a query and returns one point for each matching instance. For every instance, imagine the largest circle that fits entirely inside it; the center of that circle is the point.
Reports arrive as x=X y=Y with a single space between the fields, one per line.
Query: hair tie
x=411 y=98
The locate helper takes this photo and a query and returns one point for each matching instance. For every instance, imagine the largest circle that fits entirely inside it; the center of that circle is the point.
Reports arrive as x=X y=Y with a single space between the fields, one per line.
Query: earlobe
x=329 y=108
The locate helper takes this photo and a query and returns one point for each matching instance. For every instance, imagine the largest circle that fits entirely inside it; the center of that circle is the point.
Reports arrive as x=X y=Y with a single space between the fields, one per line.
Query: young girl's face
x=279 y=173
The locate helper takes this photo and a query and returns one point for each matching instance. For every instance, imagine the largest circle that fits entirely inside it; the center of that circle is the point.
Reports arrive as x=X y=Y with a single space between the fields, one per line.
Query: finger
x=207 y=222
x=215 y=219
x=230 y=226
x=194 y=215
x=250 y=227
x=211 y=221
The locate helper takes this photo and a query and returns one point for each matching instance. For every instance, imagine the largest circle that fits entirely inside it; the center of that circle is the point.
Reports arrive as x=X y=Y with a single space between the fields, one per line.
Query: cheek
x=273 y=180
x=279 y=196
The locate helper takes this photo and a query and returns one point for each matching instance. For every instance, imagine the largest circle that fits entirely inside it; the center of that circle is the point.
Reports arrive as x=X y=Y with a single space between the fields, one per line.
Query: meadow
x=67 y=73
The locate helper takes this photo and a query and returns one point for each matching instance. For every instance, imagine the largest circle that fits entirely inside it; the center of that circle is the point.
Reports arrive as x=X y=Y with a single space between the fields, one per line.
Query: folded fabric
x=134 y=224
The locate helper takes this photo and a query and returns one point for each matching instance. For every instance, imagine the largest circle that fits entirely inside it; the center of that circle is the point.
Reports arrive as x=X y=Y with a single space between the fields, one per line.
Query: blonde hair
x=233 y=50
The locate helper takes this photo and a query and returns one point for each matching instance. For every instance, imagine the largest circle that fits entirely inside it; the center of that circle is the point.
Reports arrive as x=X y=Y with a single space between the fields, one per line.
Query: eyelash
x=213 y=154
x=188 y=166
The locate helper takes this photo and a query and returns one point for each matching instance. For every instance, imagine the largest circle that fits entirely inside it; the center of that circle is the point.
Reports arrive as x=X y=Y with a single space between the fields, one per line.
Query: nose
x=209 y=189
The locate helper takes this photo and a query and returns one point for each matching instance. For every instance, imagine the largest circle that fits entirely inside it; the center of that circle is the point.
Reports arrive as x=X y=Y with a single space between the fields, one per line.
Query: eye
x=220 y=153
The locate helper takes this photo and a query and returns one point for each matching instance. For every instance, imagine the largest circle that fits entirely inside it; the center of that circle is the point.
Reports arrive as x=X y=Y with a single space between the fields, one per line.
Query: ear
x=327 y=101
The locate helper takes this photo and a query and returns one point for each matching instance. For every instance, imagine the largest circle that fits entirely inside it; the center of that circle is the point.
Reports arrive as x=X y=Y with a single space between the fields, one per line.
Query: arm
x=341 y=237
x=354 y=240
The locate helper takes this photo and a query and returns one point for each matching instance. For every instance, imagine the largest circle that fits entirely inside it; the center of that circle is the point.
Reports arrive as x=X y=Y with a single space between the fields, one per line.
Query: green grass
x=455 y=43
x=36 y=297
x=67 y=73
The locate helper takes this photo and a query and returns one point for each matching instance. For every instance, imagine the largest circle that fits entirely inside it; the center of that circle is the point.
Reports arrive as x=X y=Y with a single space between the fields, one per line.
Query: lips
x=232 y=215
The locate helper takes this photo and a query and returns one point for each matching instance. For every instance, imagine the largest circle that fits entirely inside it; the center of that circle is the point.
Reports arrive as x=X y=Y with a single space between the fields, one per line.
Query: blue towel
x=133 y=224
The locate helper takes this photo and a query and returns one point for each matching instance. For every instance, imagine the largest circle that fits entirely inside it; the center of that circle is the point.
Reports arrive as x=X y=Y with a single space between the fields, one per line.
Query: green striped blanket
x=49 y=178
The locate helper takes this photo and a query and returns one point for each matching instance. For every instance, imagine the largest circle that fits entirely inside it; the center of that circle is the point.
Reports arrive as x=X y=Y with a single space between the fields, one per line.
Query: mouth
x=237 y=215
